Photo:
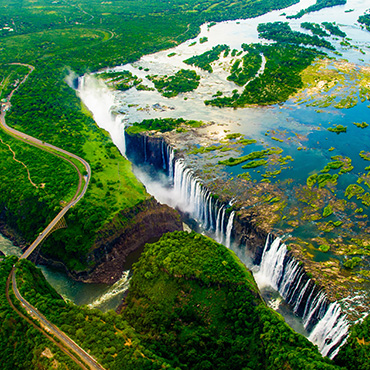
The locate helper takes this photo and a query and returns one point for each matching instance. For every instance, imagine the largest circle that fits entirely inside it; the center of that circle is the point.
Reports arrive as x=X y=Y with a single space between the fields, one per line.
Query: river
x=101 y=296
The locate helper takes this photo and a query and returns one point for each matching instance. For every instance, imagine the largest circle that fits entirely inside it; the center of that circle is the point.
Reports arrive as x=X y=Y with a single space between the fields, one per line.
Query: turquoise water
x=101 y=296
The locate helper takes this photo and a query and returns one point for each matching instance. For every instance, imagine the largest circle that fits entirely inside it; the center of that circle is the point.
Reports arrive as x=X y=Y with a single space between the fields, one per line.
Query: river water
x=101 y=296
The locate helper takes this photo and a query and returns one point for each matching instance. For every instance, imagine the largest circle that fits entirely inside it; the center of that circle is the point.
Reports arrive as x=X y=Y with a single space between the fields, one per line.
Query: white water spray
x=99 y=100
x=118 y=288
x=325 y=321
x=229 y=228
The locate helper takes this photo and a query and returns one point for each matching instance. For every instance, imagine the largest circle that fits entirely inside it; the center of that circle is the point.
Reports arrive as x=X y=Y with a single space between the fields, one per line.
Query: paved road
x=30 y=322
x=66 y=343
x=48 y=147
x=52 y=329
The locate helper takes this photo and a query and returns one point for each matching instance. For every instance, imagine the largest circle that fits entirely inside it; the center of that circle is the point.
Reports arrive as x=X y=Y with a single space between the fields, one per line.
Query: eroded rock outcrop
x=128 y=232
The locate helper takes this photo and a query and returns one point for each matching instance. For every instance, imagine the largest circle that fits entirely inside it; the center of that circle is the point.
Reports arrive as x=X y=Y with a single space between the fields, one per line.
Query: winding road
x=66 y=344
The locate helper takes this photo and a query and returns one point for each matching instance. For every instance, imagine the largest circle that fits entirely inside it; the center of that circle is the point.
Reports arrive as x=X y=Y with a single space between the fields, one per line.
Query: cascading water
x=195 y=199
x=325 y=321
x=185 y=189
x=99 y=100
x=116 y=290
x=229 y=228
x=331 y=331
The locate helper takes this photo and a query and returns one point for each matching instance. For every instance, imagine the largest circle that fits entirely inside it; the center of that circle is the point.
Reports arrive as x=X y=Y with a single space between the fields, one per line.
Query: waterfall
x=184 y=189
x=189 y=195
x=163 y=155
x=222 y=223
x=229 y=228
x=219 y=223
x=325 y=321
x=200 y=204
x=301 y=294
x=171 y=156
x=330 y=331
x=192 y=196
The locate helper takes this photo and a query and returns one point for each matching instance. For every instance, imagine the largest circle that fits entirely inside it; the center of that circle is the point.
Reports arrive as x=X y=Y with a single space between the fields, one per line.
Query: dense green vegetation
x=211 y=309
x=204 y=60
x=315 y=29
x=355 y=354
x=57 y=37
x=280 y=79
x=21 y=345
x=320 y=4
x=191 y=305
x=281 y=32
x=120 y=80
x=162 y=125
x=333 y=29
x=365 y=19
x=63 y=123
x=11 y=76
x=183 y=81
x=107 y=336
x=251 y=63
x=49 y=176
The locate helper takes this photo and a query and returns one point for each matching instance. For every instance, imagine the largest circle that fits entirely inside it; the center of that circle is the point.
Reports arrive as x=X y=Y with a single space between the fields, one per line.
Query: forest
x=21 y=345
x=334 y=29
x=281 y=32
x=161 y=125
x=204 y=60
x=284 y=61
x=182 y=81
x=365 y=19
x=251 y=63
x=279 y=80
x=315 y=29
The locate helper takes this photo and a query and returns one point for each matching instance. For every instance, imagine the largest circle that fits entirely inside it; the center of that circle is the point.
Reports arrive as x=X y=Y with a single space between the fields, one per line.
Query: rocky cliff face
x=150 y=149
x=247 y=234
x=127 y=233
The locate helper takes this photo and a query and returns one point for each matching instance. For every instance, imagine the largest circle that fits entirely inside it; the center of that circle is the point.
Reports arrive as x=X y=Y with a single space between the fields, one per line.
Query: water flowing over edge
x=324 y=320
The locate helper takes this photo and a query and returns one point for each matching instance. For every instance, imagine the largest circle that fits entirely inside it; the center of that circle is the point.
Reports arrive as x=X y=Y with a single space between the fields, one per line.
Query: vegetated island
x=320 y=4
x=183 y=81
